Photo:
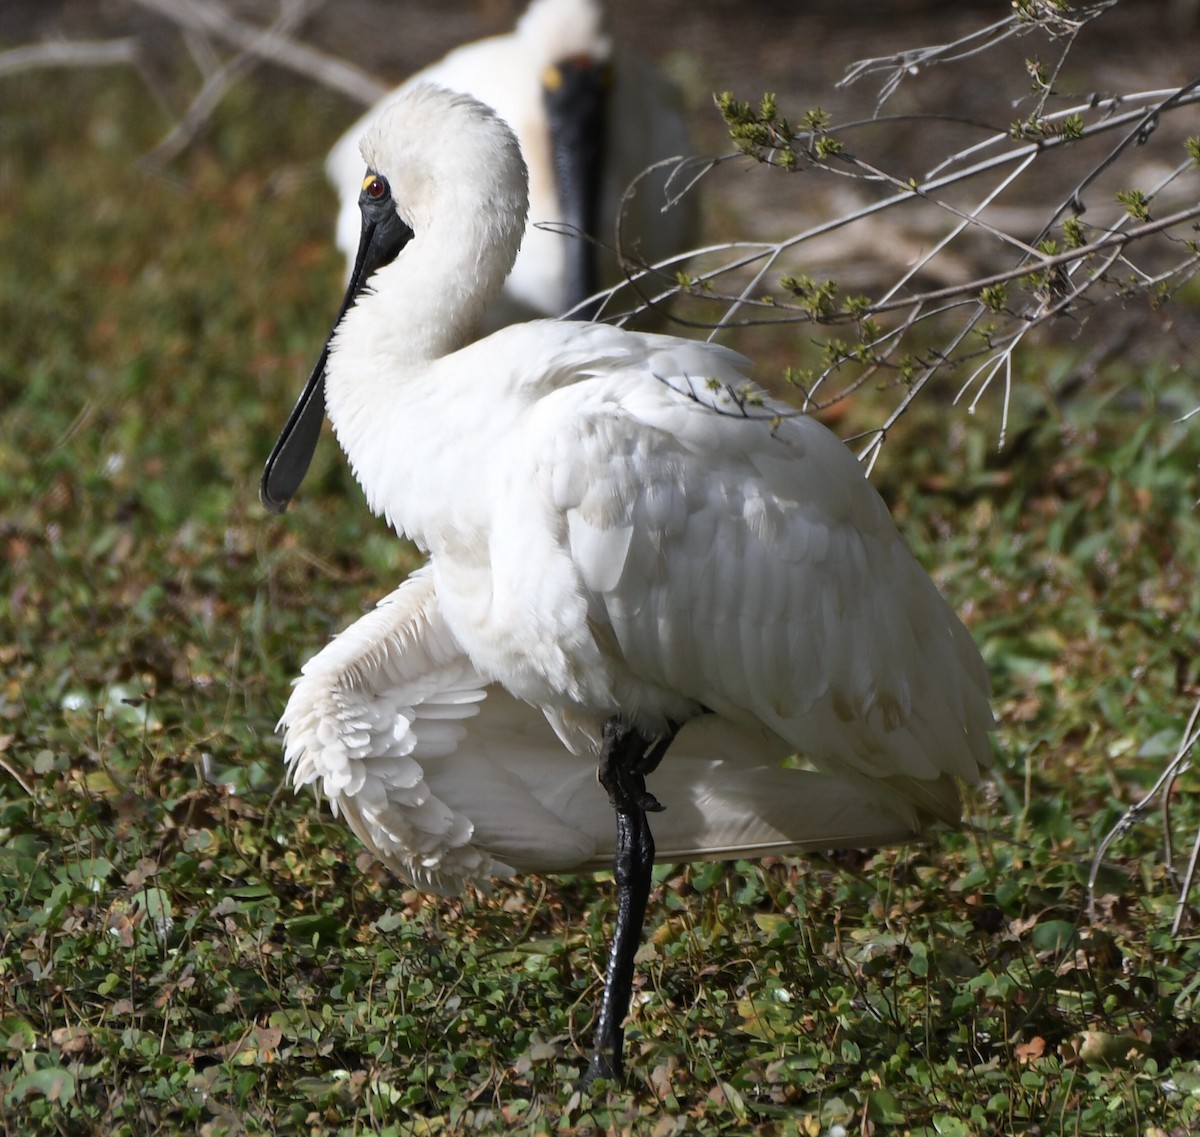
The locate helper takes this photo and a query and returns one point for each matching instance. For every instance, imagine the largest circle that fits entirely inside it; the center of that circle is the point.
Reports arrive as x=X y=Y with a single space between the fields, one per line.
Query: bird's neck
x=420 y=307
x=382 y=391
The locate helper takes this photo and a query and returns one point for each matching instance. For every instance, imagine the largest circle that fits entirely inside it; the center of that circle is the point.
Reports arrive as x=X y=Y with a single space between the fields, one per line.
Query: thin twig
x=291 y=13
x=213 y=19
x=16 y=777
x=1020 y=155
x=1174 y=768
x=903 y=64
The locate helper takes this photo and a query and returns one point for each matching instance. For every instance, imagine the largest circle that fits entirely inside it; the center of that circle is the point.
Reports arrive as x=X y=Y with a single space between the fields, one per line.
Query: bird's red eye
x=376 y=188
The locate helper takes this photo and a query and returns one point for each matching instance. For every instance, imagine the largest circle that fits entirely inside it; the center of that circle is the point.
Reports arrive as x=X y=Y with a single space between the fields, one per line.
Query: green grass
x=184 y=947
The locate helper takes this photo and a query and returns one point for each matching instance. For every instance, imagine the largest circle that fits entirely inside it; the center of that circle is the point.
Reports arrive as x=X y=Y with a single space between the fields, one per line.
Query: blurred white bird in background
x=633 y=566
x=590 y=119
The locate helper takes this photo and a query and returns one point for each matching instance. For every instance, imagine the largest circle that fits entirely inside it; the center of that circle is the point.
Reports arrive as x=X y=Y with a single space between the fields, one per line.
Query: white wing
x=746 y=563
x=377 y=722
x=448 y=781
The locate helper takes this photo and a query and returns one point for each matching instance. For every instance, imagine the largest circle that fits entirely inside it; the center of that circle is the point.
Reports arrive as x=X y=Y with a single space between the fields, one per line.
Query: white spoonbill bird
x=590 y=119
x=634 y=565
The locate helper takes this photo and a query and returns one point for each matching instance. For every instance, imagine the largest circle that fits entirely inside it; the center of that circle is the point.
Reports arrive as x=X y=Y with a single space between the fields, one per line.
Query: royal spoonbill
x=638 y=564
x=590 y=118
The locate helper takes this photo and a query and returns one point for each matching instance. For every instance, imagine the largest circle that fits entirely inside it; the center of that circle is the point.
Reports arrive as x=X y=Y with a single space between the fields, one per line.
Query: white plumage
x=608 y=535
x=620 y=528
x=645 y=125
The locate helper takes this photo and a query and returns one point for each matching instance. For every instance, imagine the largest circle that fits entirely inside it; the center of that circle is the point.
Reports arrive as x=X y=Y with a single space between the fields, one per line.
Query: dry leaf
x=1032 y=1050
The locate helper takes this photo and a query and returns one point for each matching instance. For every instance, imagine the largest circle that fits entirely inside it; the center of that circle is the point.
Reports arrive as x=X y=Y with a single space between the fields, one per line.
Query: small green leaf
x=1055 y=935
x=1136 y=204
x=53 y=1083
x=16 y=1034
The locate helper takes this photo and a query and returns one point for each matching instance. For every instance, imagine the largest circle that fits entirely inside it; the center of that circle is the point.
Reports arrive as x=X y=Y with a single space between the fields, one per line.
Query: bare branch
x=1111 y=241
x=213 y=19
x=908 y=63
x=1029 y=16
x=1177 y=765
x=69 y=53
x=219 y=81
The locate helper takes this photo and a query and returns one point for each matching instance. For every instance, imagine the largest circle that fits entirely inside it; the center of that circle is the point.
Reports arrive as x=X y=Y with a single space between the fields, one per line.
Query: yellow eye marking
x=371 y=176
x=552 y=78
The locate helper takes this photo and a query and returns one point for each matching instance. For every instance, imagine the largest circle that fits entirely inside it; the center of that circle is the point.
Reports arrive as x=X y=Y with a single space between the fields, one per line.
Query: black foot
x=628 y=757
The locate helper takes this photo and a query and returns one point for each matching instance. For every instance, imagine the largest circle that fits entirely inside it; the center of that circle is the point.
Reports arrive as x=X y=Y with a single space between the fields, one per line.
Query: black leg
x=626 y=760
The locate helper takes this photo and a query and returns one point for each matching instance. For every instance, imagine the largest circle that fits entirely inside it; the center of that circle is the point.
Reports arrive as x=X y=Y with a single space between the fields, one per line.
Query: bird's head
x=443 y=201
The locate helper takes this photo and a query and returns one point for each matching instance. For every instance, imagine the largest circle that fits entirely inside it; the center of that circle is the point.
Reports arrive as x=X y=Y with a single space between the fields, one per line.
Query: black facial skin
x=384 y=234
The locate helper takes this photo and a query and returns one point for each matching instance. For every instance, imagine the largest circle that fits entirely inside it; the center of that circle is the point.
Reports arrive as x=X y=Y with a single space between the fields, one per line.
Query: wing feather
x=449 y=780
x=769 y=582
x=393 y=724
